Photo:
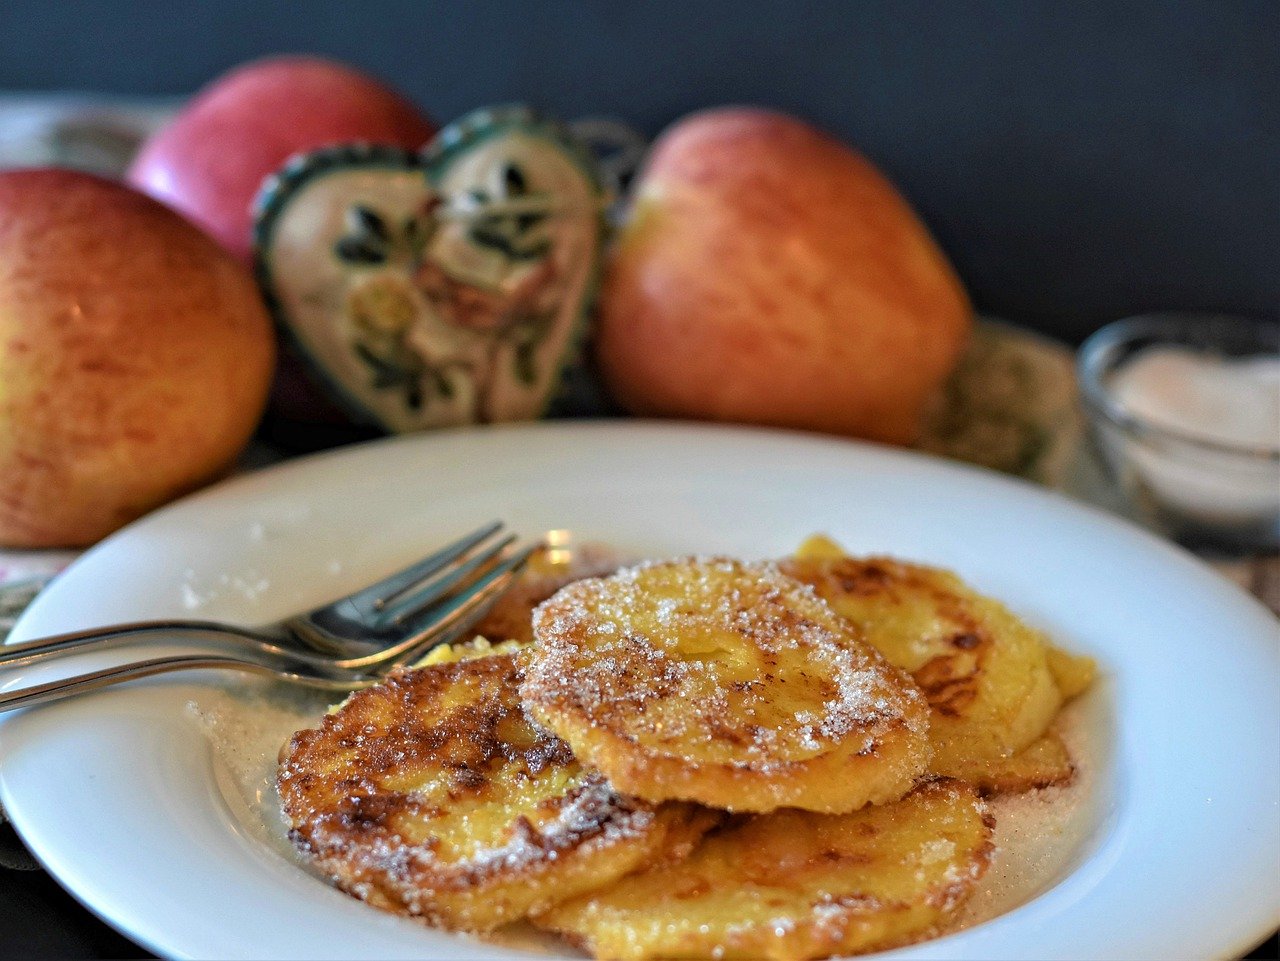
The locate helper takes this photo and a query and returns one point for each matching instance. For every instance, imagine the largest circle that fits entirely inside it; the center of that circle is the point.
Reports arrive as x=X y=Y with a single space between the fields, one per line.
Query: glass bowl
x=1207 y=492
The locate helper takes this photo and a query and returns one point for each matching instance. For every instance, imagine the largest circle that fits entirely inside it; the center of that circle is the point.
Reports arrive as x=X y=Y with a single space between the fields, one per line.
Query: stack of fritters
x=694 y=758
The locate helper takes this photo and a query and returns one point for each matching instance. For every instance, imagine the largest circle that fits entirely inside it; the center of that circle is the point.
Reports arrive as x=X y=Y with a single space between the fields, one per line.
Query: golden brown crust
x=433 y=795
x=724 y=683
x=984 y=672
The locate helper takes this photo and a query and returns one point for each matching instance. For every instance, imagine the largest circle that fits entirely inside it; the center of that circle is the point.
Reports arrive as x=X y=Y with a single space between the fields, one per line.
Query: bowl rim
x=1099 y=348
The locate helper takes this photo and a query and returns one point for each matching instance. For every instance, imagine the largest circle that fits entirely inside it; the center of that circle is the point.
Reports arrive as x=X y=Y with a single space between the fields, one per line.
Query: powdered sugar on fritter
x=748 y=666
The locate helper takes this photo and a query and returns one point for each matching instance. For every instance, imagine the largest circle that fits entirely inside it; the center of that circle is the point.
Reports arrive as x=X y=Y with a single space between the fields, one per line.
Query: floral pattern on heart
x=442 y=288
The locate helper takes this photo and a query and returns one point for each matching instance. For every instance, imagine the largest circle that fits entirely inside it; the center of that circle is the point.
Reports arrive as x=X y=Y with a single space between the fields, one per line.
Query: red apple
x=769 y=274
x=211 y=160
x=135 y=357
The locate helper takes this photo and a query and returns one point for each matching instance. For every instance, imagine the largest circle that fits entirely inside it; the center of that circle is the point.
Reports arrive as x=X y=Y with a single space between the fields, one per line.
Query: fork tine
x=440 y=586
x=464 y=608
x=381 y=593
x=445 y=622
x=454 y=625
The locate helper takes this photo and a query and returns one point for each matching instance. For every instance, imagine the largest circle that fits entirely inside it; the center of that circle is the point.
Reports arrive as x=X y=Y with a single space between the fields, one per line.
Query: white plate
x=121 y=796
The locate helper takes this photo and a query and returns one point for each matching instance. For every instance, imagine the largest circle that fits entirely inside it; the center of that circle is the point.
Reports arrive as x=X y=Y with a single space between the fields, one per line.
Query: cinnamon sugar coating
x=434 y=795
x=724 y=683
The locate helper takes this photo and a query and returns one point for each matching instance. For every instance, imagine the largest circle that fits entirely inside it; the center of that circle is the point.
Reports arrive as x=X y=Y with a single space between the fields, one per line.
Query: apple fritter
x=990 y=679
x=724 y=683
x=433 y=795
x=793 y=885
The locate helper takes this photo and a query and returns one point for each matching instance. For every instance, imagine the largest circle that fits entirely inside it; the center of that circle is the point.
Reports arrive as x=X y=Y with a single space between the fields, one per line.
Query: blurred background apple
x=135 y=357
x=769 y=274
x=210 y=161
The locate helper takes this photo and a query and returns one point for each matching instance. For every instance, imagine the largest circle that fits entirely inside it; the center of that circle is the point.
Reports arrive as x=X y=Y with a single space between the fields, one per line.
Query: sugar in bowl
x=1185 y=412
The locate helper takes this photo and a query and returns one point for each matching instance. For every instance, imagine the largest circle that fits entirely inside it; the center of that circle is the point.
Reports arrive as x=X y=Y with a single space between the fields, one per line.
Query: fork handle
x=94 y=680
x=99 y=638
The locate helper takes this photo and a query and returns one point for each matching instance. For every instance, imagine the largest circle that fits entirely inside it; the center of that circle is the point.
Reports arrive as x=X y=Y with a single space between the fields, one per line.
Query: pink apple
x=211 y=160
x=770 y=274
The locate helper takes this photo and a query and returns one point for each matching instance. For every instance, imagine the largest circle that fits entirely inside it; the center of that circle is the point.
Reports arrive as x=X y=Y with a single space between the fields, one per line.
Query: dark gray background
x=1078 y=161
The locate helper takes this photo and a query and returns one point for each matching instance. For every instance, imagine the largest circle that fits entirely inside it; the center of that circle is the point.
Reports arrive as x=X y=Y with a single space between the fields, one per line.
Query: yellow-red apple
x=769 y=274
x=135 y=357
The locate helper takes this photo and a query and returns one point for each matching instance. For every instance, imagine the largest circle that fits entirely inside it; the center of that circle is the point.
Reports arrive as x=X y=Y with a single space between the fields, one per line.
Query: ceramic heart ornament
x=440 y=288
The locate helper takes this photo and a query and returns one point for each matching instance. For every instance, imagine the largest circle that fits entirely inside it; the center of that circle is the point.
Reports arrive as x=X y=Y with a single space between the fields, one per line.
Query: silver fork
x=349 y=643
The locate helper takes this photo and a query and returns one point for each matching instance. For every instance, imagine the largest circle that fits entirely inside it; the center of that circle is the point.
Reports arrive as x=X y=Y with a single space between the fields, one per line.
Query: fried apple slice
x=1044 y=762
x=724 y=683
x=433 y=795
x=988 y=676
x=793 y=885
